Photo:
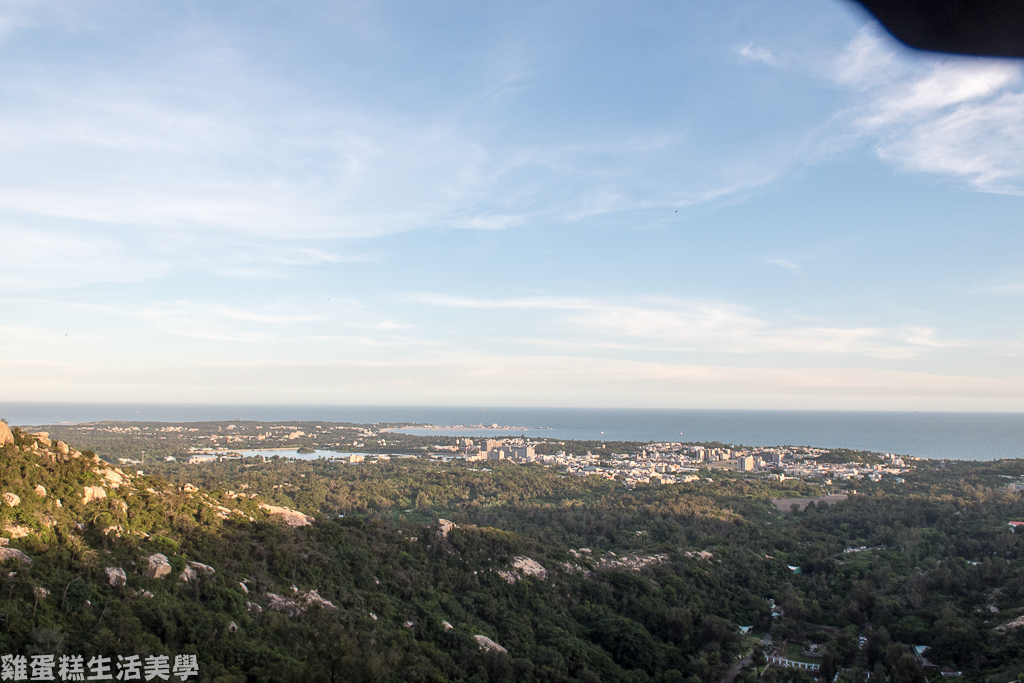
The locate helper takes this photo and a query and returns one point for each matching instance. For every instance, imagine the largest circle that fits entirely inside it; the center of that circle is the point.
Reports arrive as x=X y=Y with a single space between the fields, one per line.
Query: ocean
x=961 y=436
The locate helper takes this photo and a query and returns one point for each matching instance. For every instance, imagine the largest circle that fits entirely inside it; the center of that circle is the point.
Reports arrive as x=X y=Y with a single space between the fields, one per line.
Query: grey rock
x=116 y=576
x=14 y=554
x=279 y=603
x=157 y=566
x=486 y=643
x=445 y=527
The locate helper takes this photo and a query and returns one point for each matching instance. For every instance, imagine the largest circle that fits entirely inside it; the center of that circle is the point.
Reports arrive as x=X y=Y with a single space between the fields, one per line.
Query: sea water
x=966 y=436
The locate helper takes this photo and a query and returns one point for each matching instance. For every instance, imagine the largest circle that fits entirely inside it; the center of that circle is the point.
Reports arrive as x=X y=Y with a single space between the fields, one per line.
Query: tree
x=829 y=666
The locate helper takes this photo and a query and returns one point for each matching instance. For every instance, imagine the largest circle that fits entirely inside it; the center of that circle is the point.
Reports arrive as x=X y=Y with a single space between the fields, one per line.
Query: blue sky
x=675 y=204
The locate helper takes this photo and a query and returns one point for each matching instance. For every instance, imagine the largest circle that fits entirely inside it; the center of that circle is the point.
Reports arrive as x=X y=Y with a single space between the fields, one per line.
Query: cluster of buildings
x=663 y=462
x=670 y=463
x=830 y=473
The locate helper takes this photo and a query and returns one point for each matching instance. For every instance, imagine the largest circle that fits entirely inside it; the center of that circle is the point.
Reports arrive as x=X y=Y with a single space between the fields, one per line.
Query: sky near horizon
x=610 y=204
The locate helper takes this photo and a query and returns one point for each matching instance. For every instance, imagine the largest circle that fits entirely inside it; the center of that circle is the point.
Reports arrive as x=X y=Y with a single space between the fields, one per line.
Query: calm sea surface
x=966 y=436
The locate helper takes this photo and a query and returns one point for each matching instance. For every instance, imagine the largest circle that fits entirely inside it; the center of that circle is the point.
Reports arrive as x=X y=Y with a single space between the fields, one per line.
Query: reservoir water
x=293 y=454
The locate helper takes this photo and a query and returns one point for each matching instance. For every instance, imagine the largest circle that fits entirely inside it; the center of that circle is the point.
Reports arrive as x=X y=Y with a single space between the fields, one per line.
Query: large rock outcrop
x=43 y=438
x=93 y=493
x=12 y=499
x=6 y=436
x=157 y=566
x=634 y=563
x=116 y=576
x=14 y=554
x=446 y=527
x=526 y=565
x=313 y=598
x=195 y=570
x=1016 y=623
x=287 y=515
x=529 y=566
x=294 y=608
x=279 y=603
x=113 y=476
x=486 y=643
x=699 y=554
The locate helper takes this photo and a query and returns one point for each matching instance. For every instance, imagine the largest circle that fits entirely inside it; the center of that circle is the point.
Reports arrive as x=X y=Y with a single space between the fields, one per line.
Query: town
x=676 y=462
x=631 y=463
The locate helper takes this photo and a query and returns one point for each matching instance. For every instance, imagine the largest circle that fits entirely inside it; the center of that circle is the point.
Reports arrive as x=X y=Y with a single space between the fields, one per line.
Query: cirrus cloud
x=952 y=115
x=705 y=326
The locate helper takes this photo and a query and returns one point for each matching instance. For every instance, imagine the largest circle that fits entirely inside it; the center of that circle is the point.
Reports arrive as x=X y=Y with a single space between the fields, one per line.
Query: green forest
x=394 y=568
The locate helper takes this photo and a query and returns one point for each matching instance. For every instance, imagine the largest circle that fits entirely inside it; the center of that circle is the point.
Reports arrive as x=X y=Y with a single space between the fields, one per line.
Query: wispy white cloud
x=944 y=86
x=982 y=142
x=755 y=53
x=552 y=380
x=867 y=60
x=15 y=337
x=952 y=115
x=233 y=173
x=167 y=162
x=291 y=322
x=219 y=323
x=249 y=315
x=530 y=302
x=785 y=264
x=489 y=221
x=16 y=15
x=46 y=258
x=134 y=328
x=708 y=326
x=728 y=329
x=202 y=142
x=1001 y=288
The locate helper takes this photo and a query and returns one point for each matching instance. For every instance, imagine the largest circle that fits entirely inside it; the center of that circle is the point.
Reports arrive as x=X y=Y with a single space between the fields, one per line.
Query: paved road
x=735 y=670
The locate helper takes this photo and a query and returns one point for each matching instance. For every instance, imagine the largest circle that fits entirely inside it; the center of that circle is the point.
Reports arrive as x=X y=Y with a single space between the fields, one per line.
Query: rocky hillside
x=99 y=561
x=53 y=492
x=412 y=570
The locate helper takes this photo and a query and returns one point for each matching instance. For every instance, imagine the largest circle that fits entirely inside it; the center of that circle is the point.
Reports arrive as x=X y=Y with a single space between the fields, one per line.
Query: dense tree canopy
x=648 y=584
